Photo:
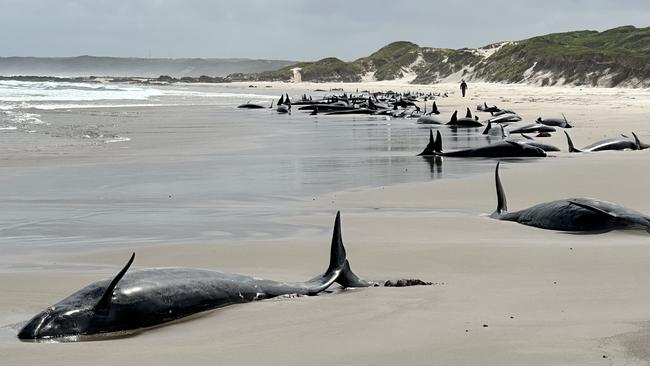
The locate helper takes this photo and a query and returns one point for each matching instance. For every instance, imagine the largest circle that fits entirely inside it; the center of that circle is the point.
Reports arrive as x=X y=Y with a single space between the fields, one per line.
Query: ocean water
x=173 y=180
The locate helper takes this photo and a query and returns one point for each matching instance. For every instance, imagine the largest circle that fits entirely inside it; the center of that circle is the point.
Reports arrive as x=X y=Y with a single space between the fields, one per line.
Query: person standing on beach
x=463 y=87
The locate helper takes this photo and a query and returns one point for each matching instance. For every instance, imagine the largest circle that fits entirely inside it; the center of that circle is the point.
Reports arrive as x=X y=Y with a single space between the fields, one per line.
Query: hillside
x=84 y=66
x=616 y=57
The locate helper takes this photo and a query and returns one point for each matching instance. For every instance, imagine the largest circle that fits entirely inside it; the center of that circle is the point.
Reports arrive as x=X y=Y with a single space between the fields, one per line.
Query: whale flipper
x=593 y=208
x=502 y=204
x=108 y=294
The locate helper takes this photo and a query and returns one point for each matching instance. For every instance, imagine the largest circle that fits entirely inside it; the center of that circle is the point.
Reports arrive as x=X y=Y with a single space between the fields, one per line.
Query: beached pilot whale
x=559 y=122
x=501 y=149
x=249 y=105
x=149 y=297
x=572 y=214
x=609 y=144
x=467 y=121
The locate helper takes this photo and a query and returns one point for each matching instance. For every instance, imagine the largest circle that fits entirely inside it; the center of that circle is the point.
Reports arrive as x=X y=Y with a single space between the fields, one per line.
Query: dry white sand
x=505 y=294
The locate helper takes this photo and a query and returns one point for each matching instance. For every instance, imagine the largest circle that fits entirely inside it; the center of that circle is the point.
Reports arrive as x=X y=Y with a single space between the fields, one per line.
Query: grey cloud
x=290 y=29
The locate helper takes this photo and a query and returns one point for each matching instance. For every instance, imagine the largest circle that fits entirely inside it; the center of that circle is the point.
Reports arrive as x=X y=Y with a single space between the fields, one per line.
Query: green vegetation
x=388 y=61
x=325 y=70
x=612 y=57
x=577 y=57
x=331 y=69
x=442 y=62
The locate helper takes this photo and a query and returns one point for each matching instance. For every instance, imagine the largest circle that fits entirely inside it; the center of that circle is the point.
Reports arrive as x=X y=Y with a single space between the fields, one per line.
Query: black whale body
x=609 y=144
x=572 y=214
x=149 y=297
x=499 y=149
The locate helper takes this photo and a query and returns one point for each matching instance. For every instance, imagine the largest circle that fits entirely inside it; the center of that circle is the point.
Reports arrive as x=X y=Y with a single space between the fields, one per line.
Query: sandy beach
x=503 y=293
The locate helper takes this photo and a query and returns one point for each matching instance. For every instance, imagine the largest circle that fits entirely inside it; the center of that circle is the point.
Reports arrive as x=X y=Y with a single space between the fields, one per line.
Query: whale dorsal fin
x=487 y=128
x=108 y=294
x=570 y=143
x=429 y=150
x=468 y=114
x=454 y=117
x=437 y=144
x=637 y=141
x=502 y=204
x=593 y=208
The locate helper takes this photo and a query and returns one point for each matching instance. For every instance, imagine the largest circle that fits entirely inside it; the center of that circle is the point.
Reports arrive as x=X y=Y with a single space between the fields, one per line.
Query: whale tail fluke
x=339 y=268
x=570 y=143
x=347 y=278
x=502 y=204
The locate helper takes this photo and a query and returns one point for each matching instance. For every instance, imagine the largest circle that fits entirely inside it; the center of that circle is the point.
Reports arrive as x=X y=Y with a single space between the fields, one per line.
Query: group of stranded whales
x=392 y=104
x=136 y=300
x=515 y=147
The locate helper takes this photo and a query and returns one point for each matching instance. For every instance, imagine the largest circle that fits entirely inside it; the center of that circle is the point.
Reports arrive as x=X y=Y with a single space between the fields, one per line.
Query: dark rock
x=406 y=283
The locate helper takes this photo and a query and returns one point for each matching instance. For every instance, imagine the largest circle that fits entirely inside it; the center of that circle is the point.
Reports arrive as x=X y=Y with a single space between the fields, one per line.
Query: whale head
x=86 y=312
x=59 y=322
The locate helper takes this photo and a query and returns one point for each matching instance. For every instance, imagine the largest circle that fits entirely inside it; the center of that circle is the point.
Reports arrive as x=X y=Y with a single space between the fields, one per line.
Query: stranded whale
x=149 y=297
x=609 y=144
x=572 y=214
x=500 y=149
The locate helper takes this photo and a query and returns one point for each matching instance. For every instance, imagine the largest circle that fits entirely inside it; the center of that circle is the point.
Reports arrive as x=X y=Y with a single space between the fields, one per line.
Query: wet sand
x=504 y=293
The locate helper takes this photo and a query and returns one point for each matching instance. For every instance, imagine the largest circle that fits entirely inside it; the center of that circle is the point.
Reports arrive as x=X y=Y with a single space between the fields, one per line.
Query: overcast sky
x=288 y=29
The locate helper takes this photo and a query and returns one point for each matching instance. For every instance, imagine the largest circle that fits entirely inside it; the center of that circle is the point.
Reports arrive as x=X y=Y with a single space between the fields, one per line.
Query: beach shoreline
x=504 y=293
